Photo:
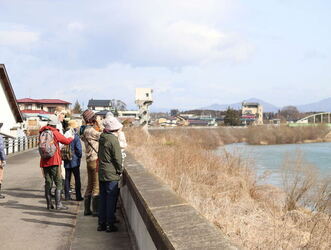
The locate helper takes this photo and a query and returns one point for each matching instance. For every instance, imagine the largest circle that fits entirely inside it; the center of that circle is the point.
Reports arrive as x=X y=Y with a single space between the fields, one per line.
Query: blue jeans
x=76 y=173
x=108 y=195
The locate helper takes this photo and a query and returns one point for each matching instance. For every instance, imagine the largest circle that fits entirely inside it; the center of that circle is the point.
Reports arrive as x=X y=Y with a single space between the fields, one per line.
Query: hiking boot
x=58 y=203
x=1 y=196
x=87 y=205
x=95 y=205
x=79 y=198
x=48 y=199
x=78 y=195
x=116 y=220
x=102 y=227
x=111 y=228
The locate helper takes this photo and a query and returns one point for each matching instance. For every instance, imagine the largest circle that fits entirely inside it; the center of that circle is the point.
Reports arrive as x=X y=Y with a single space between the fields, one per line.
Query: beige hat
x=60 y=110
x=112 y=124
x=73 y=124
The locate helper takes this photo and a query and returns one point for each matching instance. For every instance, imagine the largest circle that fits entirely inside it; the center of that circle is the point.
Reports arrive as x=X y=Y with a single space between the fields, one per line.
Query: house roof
x=250 y=104
x=29 y=111
x=10 y=93
x=42 y=101
x=99 y=103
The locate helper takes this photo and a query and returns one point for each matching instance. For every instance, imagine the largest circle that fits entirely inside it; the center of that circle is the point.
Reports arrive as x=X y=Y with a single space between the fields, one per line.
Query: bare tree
x=118 y=105
x=290 y=113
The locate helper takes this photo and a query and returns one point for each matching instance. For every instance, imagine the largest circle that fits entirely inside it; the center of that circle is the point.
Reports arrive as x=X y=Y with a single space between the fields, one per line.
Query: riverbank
x=225 y=189
x=258 y=135
x=264 y=135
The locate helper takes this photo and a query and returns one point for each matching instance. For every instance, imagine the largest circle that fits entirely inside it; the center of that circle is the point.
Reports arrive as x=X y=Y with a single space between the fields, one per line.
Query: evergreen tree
x=77 y=108
x=232 y=117
x=174 y=112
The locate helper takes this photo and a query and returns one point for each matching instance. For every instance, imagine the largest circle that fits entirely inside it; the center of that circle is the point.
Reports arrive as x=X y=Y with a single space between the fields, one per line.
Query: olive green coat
x=110 y=157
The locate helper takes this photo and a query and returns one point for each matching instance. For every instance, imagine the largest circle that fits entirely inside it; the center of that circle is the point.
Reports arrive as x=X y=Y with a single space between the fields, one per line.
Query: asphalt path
x=25 y=223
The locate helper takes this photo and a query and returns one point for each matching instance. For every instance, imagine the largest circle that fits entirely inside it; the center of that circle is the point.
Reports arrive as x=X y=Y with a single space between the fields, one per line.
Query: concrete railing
x=160 y=219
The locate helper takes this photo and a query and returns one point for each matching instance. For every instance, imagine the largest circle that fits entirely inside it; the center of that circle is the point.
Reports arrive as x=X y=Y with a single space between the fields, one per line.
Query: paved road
x=25 y=223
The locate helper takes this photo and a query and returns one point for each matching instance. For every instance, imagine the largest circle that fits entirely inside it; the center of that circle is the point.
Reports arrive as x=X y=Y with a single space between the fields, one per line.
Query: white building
x=144 y=99
x=41 y=106
x=10 y=115
x=252 y=113
x=144 y=95
x=100 y=105
x=129 y=113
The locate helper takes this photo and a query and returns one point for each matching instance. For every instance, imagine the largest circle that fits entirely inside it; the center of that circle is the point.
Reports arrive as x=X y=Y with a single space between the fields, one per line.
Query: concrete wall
x=160 y=219
x=7 y=116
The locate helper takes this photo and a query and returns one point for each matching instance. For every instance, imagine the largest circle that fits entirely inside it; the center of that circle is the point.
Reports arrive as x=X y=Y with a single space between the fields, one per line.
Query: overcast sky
x=193 y=53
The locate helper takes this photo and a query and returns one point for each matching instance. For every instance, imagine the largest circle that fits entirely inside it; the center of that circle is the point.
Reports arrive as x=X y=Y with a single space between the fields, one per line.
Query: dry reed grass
x=224 y=189
x=285 y=135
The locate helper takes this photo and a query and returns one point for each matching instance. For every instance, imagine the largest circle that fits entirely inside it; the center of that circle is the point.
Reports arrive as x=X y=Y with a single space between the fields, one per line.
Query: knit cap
x=89 y=116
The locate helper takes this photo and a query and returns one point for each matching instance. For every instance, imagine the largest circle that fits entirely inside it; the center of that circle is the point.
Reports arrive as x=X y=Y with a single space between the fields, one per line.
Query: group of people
x=104 y=146
x=61 y=151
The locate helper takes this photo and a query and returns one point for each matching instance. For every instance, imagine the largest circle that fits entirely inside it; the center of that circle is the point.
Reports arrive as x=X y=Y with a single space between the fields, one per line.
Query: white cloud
x=17 y=38
x=179 y=33
x=168 y=33
x=75 y=26
x=186 y=41
x=192 y=52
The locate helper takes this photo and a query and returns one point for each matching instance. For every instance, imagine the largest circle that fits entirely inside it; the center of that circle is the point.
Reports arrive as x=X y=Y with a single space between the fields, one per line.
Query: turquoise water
x=271 y=157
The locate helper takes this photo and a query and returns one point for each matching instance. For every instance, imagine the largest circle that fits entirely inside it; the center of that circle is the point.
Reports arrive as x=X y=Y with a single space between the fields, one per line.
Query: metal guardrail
x=20 y=144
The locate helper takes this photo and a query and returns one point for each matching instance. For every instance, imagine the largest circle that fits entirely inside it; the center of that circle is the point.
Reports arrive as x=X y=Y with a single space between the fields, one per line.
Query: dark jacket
x=76 y=149
x=58 y=138
x=110 y=157
x=2 y=150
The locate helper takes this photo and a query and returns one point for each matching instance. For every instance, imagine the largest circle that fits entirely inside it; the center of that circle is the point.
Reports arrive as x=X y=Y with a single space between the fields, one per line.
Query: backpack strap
x=89 y=143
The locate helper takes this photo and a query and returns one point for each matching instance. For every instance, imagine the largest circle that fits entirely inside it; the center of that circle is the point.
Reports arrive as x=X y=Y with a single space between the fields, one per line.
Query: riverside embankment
x=225 y=189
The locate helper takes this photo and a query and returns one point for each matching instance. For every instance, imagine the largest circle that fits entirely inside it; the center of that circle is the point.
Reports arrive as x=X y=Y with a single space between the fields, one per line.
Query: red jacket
x=58 y=137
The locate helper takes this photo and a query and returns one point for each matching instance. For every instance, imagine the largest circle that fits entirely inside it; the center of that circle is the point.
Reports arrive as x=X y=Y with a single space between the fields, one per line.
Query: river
x=271 y=157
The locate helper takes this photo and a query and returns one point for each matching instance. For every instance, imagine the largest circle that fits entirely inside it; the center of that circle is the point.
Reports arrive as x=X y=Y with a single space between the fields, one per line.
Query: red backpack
x=47 y=147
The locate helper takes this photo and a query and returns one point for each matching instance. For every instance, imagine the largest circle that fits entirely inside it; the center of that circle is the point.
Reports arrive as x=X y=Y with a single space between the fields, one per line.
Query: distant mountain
x=267 y=107
x=323 y=106
x=219 y=107
x=159 y=109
